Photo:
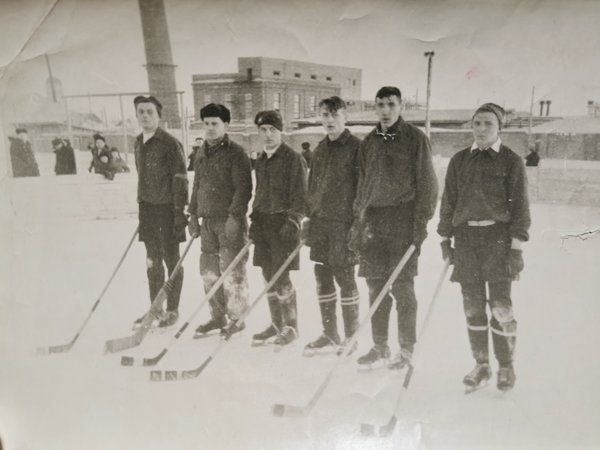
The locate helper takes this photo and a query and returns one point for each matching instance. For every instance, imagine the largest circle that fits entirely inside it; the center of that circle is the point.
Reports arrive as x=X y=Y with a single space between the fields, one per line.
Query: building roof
x=570 y=125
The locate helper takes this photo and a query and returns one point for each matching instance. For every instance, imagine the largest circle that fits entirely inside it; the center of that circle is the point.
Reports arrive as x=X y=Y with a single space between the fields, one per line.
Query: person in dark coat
x=485 y=209
x=278 y=208
x=195 y=148
x=533 y=158
x=332 y=184
x=306 y=153
x=220 y=195
x=101 y=158
x=162 y=195
x=21 y=155
x=65 y=157
x=396 y=197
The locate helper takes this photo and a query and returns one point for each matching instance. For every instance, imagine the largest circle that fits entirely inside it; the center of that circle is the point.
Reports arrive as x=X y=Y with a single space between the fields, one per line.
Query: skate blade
x=310 y=352
x=477 y=387
x=265 y=343
x=378 y=365
x=205 y=335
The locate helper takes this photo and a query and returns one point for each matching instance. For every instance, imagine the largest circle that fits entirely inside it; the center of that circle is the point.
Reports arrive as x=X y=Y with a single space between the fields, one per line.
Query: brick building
x=292 y=87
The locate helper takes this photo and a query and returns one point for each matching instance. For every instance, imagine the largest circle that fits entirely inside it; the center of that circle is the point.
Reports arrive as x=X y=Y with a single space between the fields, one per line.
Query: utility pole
x=531 y=115
x=51 y=79
x=429 y=56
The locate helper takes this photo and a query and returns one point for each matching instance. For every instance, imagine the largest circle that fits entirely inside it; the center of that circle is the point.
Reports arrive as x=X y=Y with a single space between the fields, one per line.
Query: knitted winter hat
x=269 y=118
x=497 y=110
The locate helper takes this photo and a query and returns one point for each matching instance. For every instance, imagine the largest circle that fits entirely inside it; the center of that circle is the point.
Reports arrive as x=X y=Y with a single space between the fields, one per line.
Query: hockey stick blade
x=55 y=348
x=280 y=410
x=387 y=429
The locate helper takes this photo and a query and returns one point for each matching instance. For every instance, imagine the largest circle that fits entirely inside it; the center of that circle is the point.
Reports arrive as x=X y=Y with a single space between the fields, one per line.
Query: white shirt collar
x=495 y=146
x=147 y=136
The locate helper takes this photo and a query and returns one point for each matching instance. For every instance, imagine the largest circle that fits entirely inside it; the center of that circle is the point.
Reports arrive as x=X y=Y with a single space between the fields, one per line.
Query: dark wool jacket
x=222 y=181
x=486 y=186
x=396 y=168
x=65 y=160
x=281 y=183
x=162 y=174
x=23 y=159
x=333 y=178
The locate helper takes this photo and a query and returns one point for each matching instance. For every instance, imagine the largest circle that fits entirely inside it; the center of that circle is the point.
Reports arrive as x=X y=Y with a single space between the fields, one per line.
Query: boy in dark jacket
x=485 y=209
x=397 y=194
x=278 y=208
x=220 y=195
x=162 y=195
x=332 y=186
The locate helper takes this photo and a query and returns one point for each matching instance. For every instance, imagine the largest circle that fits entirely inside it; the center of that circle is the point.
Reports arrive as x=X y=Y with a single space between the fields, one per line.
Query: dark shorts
x=270 y=251
x=389 y=233
x=329 y=243
x=481 y=253
x=156 y=224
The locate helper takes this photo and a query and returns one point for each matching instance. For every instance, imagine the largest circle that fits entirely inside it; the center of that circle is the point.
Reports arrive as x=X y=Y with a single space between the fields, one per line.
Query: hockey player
x=220 y=195
x=332 y=186
x=278 y=208
x=485 y=209
x=162 y=196
x=396 y=197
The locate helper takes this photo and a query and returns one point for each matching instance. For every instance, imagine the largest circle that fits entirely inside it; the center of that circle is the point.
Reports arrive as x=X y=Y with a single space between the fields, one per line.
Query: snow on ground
x=84 y=399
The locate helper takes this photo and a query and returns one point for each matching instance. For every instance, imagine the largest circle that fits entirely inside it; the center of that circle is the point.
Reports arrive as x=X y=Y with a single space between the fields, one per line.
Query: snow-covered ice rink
x=52 y=273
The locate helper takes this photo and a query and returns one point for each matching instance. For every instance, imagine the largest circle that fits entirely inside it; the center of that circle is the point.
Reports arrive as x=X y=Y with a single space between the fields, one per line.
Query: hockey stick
x=388 y=428
x=131 y=361
x=282 y=410
x=66 y=347
x=172 y=375
x=133 y=340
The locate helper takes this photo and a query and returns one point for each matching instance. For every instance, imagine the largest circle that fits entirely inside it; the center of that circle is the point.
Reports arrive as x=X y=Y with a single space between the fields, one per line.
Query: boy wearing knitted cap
x=278 y=208
x=485 y=209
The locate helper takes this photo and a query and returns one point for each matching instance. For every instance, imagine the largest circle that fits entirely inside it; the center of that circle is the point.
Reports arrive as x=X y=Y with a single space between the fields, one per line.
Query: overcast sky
x=484 y=50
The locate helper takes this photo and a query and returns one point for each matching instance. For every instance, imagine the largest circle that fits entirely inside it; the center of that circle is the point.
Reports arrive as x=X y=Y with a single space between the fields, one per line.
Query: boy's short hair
x=388 y=91
x=332 y=104
x=216 y=110
x=150 y=99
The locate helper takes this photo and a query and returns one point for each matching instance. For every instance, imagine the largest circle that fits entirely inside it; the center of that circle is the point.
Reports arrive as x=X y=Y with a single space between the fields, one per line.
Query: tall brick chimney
x=548 y=107
x=159 y=60
x=542 y=107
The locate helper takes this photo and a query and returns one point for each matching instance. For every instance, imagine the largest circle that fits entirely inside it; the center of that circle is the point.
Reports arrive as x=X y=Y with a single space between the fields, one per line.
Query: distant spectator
x=22 y=156
x=195 y=149
x=307 y=153
x=65 y=157
x=101 y=157
x=117 y=162
x=533 y=158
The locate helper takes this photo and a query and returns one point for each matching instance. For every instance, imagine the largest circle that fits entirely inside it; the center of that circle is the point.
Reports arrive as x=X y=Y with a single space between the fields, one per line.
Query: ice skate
x=401 y=360
x=376 y=358
x=477 y=378
x=232 y=328
x=138 y=322
x=322 y=345
x=285 y=338
x=211 y=325
x=264 y=337
x=506 y=378
x=168 y=319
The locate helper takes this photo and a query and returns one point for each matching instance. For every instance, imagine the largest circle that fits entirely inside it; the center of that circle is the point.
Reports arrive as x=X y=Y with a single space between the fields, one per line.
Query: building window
x=248 y=106
x=312 y=104
x=277 y=101
x=207 y=99
x=297 y=75
x=328 y=78
x=296 y=106
x=353 y=82
x=249 y=74
x=276 y=73
x=313 y=77
x=228 y=103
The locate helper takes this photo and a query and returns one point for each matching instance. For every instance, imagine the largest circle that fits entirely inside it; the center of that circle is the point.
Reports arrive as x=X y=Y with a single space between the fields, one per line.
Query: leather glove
x=180 y=221
x=515 y=263
x=305 y=232
x=194 y=227
x=289 y=230
x=447 y=251
x=232 y=229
